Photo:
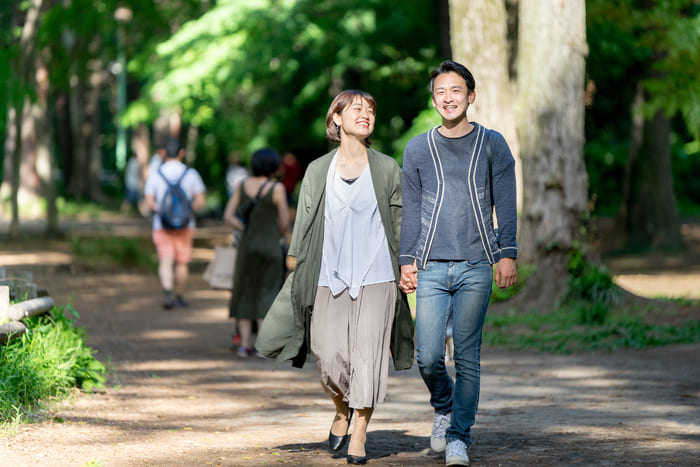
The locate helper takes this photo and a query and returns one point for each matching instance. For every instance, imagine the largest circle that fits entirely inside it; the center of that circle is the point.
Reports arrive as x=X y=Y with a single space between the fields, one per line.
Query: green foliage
x=424 y=121
x=263 y=72
x=560 y=330
x=47 y=361
x=107 y=251
x=589 y=282
x=624 y=38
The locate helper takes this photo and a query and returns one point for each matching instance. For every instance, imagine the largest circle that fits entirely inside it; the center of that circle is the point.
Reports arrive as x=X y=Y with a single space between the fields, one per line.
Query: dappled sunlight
x=168 y=334
x=663 y=284
x=44 y=257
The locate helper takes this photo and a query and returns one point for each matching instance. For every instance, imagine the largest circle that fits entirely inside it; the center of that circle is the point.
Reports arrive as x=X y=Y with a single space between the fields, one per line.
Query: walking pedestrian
x=174 y=245
x=263 y=221
x=344 y=257
x=454 y=176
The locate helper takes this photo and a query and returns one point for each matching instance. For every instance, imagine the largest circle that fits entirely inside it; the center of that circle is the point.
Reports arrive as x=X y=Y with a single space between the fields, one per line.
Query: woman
x=342 y=301
x=258 y=272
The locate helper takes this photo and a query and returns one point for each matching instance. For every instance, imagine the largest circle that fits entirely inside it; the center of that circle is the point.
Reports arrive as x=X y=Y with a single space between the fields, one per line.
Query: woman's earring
x=337 y=130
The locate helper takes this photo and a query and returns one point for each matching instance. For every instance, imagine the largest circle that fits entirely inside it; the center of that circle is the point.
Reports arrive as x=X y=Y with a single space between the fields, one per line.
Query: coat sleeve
x=396 y=203
x=302 y=213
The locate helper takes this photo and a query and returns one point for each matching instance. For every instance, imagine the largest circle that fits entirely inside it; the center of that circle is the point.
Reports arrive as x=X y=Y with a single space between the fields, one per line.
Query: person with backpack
x=174 y=193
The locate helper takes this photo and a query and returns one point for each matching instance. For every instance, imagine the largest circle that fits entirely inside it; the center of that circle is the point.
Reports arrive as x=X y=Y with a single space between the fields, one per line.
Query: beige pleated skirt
x=350 y=340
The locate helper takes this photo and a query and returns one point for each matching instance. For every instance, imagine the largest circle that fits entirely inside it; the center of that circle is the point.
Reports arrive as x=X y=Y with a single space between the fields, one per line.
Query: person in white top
x=174 y=246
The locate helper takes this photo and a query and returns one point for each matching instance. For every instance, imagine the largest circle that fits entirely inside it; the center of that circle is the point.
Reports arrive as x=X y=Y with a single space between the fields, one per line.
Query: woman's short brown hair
x=340 y=103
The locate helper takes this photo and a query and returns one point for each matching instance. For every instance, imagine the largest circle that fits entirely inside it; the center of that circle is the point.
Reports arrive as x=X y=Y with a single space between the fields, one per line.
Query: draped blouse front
x=355 y=248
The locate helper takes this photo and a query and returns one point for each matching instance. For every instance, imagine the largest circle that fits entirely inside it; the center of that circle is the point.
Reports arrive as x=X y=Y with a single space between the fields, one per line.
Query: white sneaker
x=437 y=438
x=456 y=453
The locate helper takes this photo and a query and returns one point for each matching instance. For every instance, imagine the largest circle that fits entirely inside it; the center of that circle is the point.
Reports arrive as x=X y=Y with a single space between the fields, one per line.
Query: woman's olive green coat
x=284 y=334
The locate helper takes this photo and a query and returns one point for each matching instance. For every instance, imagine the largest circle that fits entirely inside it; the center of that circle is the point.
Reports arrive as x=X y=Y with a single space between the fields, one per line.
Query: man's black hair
x=172 y=147
x=451 y=66
x=265 y=162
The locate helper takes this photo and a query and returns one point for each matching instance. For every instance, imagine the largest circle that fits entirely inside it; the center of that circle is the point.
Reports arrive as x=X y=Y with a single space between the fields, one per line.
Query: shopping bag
x=219 y=271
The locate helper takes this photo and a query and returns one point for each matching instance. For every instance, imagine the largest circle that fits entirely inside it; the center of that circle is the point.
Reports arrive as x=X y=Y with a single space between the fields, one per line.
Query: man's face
x=451 y=97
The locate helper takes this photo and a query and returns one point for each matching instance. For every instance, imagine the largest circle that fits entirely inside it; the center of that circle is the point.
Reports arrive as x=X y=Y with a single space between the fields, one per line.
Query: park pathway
x=177 y=396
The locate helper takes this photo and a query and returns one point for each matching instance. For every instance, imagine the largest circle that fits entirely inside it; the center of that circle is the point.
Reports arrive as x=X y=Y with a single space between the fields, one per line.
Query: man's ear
x=471 y=97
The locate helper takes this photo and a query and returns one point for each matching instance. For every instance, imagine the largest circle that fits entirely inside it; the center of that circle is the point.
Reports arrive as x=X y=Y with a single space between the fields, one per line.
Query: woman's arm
x=232 y=207
x=279 y=197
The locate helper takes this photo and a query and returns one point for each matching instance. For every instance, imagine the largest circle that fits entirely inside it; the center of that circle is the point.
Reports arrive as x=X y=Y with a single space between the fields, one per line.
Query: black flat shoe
x=356 y=460
x=336 y=443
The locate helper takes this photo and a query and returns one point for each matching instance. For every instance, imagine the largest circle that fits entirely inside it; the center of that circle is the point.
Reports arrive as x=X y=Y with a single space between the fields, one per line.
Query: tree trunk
x=480 y=42
x=76 y=182
x=23 y=80
x=44 y=155
x=648 y=212
x=445 y=29
x=551 y=69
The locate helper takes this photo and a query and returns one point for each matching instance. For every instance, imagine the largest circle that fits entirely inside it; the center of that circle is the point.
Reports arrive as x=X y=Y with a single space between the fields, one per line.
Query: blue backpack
x=175 y=210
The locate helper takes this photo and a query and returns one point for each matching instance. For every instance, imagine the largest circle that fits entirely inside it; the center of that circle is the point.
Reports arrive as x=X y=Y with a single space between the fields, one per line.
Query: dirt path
x=178 y=397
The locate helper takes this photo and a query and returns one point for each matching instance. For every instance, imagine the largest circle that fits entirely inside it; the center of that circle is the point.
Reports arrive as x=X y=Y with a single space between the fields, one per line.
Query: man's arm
x=504 y=196
x=410 y=216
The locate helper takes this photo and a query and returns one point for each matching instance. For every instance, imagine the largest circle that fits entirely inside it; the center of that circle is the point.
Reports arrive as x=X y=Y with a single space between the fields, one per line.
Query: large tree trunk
x=551 y=68
x=480 y=42
x=648 y=212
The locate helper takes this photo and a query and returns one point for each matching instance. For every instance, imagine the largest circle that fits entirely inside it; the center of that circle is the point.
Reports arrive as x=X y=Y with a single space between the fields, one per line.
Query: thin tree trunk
x=45 y=165
x=77 y=181
x=551 y=71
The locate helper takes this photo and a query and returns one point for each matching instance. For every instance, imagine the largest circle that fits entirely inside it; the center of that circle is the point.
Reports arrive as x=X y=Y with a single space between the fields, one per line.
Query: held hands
x=409 y=278
x=506 y=273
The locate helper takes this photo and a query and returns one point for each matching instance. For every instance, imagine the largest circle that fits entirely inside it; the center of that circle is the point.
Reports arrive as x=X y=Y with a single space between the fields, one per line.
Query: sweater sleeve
x=504 y=195
x=410 y=218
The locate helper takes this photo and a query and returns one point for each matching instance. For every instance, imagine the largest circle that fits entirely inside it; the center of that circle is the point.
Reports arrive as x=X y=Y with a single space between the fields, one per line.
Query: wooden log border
x=18 y=311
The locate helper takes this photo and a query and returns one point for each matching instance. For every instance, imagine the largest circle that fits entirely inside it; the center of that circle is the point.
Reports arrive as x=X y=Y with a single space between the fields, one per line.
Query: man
x=453 y=178
x=174 y=246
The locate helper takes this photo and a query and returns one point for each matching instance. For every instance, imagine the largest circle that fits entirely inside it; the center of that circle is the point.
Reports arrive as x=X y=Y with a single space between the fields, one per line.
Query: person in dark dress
x=258 y=273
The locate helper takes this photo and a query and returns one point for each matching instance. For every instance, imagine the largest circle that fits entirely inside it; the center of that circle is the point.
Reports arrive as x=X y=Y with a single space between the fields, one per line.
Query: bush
x=47 y=361
x=107 y=251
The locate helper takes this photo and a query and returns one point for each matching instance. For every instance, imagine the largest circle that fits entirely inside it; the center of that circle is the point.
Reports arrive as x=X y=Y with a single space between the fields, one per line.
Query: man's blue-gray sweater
x=449 y=199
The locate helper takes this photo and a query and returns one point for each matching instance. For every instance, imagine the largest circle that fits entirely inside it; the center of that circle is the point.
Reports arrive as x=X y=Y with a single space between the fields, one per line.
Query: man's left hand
x=506 y=273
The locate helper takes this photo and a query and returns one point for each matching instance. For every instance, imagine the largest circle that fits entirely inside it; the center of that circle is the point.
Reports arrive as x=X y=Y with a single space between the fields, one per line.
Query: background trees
x=240 y=75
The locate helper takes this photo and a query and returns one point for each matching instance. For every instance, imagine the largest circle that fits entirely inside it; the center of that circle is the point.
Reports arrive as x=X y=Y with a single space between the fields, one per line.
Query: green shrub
x=105 y=250
x=47 y=361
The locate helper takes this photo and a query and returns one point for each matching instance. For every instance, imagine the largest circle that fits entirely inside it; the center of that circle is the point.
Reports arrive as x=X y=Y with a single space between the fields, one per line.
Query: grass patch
x=568 y=329
x=108 y=251
x=45 y=363
x=593 y=315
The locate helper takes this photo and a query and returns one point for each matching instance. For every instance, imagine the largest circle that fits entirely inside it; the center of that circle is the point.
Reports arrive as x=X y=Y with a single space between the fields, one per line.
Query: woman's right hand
x=291 y=262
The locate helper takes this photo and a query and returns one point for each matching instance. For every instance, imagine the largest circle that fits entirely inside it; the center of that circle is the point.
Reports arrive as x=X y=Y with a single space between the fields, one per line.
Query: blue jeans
x=462 y=288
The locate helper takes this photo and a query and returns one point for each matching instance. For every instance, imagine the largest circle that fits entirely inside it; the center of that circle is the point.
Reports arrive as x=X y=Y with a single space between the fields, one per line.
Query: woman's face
x=356 y=120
